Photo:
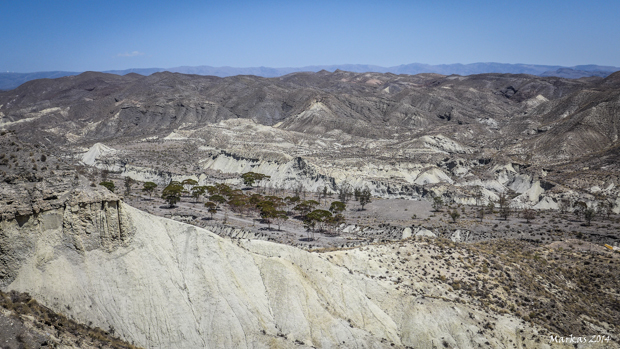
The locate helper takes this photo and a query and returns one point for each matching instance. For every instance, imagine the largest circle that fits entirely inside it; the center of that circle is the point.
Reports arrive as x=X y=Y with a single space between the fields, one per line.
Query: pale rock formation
x=456 y=236
x=546 y=203
x=165 y=284
x=425 y=232
x=406 y=233
x=444 y=144
x=433 y=176
x=531 y=196
x=95 y=152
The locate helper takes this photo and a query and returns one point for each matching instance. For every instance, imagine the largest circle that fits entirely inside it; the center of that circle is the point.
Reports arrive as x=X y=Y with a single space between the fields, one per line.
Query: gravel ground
x=387 y=218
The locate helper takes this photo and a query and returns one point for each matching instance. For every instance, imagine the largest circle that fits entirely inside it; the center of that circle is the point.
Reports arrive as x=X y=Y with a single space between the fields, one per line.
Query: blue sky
x=83 y=35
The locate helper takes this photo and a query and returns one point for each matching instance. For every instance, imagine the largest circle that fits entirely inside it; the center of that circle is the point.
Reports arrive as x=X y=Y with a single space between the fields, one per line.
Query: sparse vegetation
x=109 y=185
x=455 y=215
x=437 y=203
x=44 y=320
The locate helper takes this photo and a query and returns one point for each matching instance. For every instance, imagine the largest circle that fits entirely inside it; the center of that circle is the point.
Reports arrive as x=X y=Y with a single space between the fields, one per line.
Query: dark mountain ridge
x=549 y=116
x=12 y=80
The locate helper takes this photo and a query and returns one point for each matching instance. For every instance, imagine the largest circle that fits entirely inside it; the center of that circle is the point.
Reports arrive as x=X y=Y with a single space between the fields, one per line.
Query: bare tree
x=364 y=197
x=504 y=206
x=478 y=194
x=344 y=192
x=529 y=215
x=480 y=214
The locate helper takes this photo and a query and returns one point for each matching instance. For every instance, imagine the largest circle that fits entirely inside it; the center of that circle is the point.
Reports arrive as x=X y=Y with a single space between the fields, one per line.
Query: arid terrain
x=491 y=217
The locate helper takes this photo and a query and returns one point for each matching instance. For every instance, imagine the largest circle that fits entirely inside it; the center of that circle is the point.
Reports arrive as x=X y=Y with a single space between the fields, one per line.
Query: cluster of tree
x=270 y=208
x=273 y=208
x=173 y=192
x=345 y=191
x=321 y=220
x=362 y=196
x=581 y=209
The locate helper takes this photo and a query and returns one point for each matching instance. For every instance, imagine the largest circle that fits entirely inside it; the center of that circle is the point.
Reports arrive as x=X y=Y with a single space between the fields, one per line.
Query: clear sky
x=78 y=35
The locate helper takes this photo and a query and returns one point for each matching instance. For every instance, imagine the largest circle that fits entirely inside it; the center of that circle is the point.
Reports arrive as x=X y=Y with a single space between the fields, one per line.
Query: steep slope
x=175 y=285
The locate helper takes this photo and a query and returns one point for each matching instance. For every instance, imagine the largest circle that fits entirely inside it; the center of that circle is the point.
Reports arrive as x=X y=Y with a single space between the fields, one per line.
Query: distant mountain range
x=12 y=80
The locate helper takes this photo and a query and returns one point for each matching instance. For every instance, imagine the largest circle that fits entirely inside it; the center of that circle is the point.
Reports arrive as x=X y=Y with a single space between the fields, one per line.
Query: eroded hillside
x=542 y=144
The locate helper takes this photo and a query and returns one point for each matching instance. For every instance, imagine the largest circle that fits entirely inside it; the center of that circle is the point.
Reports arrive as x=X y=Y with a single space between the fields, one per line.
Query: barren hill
x=97 y=106
x=538 y=142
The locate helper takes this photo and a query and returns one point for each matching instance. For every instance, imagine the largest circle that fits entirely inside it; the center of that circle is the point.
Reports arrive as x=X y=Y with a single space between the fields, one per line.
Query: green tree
x=223 y=189
x=455 y=215
x=188 y=184
x=218 y=199
x=108 y=185
x=291 y=201
x=253 y=202
x=334 y=221
x=277 y=201
x=318 y=218
x=305 y=207
x=280 y=218
x=250 y=178
x=256 y=198
x=172 y=193
x=309 y=224
x=337 y=207
x=212 y=190
x=238 y=202
x=211 y=208
x=198 y=191
x=267 y=211
x=149 y=187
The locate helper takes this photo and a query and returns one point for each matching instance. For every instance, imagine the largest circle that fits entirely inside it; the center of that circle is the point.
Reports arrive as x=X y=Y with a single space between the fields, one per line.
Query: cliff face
x=87 y=221
x=165 y=284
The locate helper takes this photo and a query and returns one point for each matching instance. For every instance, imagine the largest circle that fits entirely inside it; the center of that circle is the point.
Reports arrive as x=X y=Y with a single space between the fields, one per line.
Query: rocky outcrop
x=87 y=221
